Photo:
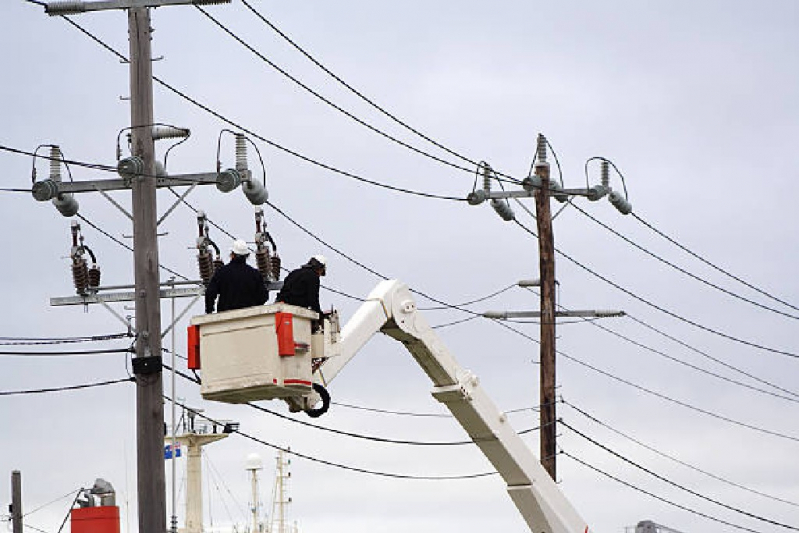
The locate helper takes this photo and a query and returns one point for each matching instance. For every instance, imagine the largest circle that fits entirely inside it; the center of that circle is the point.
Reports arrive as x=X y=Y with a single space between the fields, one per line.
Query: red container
x=103 y=519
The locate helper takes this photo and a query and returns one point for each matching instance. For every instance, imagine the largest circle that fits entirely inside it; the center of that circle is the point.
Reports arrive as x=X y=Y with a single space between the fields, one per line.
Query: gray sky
x=696 y=103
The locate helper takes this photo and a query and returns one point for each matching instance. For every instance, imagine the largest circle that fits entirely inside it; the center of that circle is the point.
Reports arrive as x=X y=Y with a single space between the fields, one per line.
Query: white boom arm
x=390 y=309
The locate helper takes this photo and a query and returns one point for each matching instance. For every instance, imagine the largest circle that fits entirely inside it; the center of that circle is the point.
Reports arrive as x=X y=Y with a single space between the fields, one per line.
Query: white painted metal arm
x=390 y=308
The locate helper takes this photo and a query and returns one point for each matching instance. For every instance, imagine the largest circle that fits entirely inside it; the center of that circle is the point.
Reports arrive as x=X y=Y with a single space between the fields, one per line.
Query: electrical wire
x=478 y=300
x=712 y=265
x=710 y=357
x=660 y=498
x=67 y=388
x=682 y=270
x=271 y=143
x=340 y=465
x=674 y=459
x=663 y=309
x=674 y=484
x=327 y=101
x=454 y=322
x=795 y=397
x=66 y=354
x=678 y=402
x=361 y=95
x=31 y=341
x=362 y=436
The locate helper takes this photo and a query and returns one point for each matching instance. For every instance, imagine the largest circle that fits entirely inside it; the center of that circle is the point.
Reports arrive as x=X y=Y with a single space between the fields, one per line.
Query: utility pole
x=16 y=501
x=139 y=175
x=147 y=363
x=542 y=188
x=546 y=264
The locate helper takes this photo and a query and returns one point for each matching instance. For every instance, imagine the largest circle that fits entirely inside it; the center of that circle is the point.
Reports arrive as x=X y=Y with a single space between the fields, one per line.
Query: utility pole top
x=76 y=7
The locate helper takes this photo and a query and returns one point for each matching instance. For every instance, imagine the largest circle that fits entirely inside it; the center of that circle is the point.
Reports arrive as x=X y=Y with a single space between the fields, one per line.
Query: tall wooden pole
x=16 y=501
x=147 y=364
x=546 y=261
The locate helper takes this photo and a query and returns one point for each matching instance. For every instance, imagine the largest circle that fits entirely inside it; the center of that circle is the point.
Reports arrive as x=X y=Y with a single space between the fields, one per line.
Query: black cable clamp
x=143 y=366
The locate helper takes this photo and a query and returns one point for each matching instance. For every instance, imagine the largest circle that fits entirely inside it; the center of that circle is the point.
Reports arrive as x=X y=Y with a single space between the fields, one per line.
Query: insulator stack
x=241 y=152
x=503 y=209
x=55 y=163
x=94 y=277
x=80 y=276
x=486 y=177
x=541 y=148
x=275 y=264
x=605 y=174
x=264 y=262
x=206 y=265
x=218 y=263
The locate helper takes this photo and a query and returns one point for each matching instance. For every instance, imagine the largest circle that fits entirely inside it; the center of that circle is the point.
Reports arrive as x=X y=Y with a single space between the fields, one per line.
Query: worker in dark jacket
x=237 y=284
x=301 y=286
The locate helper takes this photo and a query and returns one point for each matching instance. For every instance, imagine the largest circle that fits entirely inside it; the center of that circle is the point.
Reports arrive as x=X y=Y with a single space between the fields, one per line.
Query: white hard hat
x=240 y=247
x=320 y=259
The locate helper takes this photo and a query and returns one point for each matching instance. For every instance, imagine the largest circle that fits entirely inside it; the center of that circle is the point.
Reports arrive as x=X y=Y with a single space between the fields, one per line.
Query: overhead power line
x=353 y=90
x=674 y=459
x=33 y=341
x=66 y=388
x=339 y=465
x=662 y=499
x=663 y=309
x=674 y=484
x=327 y=101
x=252 y=133
x=66 y=353
x=682 y=270
x=712 y=265
x=678 y=402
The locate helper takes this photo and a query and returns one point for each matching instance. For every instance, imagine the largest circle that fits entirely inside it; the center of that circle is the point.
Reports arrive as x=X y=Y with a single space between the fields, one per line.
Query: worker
x=301 y=286
x=237 y=284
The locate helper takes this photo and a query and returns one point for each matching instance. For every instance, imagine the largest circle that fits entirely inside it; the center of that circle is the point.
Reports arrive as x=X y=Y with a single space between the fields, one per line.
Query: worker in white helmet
x=301 y=286
x=237 y=284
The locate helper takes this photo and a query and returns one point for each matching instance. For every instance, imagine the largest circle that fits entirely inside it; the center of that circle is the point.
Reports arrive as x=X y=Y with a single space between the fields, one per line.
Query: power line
x=340 y=465
x=663 y=309
x=682 y=270
x=262 y=138
x=674 y=484
x=672 y=458
x=470 y=302
x=65 y=353
x=695 y=367
x=679 y=402
x=372 y=438
x=361 y=95
x=327 y=101
x=32 y=341
x=710 y=264
x=67 y=388
x=662 y=499
x=710 y=357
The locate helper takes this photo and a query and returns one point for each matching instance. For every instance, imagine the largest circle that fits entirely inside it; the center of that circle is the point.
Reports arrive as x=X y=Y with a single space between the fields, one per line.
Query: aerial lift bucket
x=256 y=353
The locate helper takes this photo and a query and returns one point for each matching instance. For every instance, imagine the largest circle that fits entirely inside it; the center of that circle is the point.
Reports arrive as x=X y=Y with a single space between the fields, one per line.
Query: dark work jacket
x=237 y=284
x=301 y=288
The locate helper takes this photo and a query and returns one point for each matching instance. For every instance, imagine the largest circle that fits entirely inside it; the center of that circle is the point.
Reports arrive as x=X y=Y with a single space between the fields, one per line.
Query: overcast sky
x=694 y=102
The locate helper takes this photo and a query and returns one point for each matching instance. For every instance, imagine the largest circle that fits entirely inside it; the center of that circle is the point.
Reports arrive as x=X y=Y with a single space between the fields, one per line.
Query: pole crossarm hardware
x=118 y=184
x=77 y=6
x=504 y=315
x=129 y=296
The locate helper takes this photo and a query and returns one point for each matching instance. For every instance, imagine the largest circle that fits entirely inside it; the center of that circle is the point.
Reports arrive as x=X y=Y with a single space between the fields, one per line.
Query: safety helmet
x=240 y=247
x=318 y=262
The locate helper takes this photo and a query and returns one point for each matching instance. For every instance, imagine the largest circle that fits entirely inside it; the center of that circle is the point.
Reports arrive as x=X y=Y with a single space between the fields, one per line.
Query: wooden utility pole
x=16 y=502
x=147 y=363
x=546 y=262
